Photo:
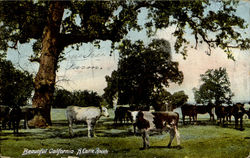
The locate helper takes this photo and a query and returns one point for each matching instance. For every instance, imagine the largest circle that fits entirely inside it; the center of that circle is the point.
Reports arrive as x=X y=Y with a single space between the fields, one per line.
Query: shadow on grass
x=178 y=147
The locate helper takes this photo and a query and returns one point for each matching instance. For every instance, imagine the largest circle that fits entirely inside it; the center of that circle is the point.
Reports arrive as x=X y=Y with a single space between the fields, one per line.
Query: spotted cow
x=147 y=122
x=89 y=115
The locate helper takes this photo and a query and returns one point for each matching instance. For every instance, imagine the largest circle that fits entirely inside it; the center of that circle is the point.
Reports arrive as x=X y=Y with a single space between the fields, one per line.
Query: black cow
x=221 y=113
x=238 y=112
x=248 y=113
x=147 y=121
x=123 y=115
x=203 y=109
x=4 y=115
x=15 y=117
x=229 y=112
x=189 y=110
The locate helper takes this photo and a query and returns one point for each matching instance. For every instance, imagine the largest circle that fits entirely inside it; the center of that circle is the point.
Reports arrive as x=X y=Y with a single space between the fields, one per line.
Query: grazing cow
x=4 y=115
x=188 y=110
x=122 y=114
x=89 y=115
x=206 y=109
x=147 y=121
x=15 y=117
x=221 y=113
x=238 y=112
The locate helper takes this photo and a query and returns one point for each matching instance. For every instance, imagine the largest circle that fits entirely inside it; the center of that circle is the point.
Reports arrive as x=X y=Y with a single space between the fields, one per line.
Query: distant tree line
x=64 y=98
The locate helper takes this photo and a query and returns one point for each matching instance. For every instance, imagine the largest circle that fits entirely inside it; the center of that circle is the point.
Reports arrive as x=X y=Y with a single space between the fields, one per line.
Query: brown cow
x=147 y=121
x=189 y=110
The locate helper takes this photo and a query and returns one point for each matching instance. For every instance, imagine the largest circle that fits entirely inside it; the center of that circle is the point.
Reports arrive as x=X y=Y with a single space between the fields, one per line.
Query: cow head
x=105 y=112
x=239 y=109
x=133 y=115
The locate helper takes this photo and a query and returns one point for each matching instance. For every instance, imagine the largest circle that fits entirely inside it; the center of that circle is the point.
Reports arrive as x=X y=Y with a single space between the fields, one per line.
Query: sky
x=87 y=68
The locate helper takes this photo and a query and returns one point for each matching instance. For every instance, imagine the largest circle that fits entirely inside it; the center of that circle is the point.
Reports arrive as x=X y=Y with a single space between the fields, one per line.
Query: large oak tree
x=53 y=30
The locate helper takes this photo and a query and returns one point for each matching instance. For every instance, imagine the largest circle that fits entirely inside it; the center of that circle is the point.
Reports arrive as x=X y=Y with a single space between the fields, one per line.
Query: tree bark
x=46 y=76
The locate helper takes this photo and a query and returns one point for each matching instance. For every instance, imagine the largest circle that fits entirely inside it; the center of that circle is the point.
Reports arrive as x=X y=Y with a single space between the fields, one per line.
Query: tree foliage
x=178 y=99
x=64 y=98
x=16 y=86
x=92 y=21
x=215 y=88
x=143 y=72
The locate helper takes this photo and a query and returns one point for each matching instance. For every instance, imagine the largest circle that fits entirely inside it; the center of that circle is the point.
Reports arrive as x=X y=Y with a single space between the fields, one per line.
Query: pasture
x=202 y=140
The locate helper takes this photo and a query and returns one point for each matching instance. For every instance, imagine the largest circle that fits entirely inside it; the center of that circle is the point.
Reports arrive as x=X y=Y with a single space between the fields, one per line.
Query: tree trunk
x=45 y=78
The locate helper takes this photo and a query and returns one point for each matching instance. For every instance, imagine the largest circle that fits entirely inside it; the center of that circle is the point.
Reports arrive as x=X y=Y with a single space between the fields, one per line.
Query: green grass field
x=197 y=141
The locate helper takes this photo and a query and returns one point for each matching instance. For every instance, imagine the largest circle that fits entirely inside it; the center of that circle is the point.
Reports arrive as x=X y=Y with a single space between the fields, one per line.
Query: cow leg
x=134 y=125
x=93 y=129
x=70 y=127
x=90 y=128
x=212 y=117
x=223 y=121
x=236 y=122
x=183 y=119
x=241 y=121
x=17 y=125
x=145 y=137
x=172 y=134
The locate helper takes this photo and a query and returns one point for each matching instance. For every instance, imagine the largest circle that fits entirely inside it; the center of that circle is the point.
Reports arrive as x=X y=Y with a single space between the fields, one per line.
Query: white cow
x=89 y=115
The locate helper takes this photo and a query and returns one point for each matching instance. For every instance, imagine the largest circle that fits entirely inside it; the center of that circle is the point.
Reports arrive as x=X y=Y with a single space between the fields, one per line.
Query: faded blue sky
x=87 y=68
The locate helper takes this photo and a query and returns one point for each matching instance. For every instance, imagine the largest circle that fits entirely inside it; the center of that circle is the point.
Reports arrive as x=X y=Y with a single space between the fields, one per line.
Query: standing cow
x=4 y=115
x=238 y=112
x=221 y=113
x=189 y=110
x=157 y=121
x=15 y=117
x=123 y=115
x=203 y=109
x=89 y=115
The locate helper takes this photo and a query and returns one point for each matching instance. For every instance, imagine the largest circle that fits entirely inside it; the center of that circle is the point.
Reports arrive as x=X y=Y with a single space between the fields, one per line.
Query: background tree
x=143 y=72
x=86 y=98
x=215 y=88
x=64 y=98
x=16 y=86
x=55 y=25
x=178 y=99
x=111 y=89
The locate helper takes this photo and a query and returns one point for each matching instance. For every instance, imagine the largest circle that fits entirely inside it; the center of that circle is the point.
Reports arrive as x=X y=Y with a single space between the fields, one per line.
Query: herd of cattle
x=145 y=121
